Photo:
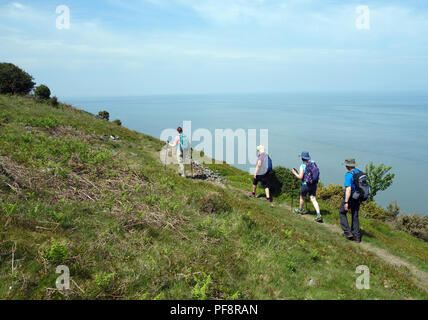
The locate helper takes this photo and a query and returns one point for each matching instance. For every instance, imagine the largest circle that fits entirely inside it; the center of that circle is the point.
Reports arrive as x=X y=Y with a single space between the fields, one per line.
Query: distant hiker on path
x=309 y=174
x=349 y=203
x=182 y=144
x=264 y=166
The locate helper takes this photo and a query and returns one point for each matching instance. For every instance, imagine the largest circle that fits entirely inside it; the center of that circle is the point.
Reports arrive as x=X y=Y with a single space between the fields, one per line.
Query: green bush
x=415 y=225
x=371 y=209
x=13 y=80
x=118 y=122
x=57 y=252
x=104 y=115
x=213 y=203
x=281 y=181
x=327 y=193
x=54 y=102
x=42 y=92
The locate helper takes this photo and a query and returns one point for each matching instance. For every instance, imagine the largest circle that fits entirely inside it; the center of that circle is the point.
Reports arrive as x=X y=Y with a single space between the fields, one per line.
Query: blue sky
x=137 y=47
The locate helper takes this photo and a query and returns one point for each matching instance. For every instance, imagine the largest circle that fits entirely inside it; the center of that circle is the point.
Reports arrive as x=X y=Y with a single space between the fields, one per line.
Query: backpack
x=270 y=166
x=362 y=188
x=312 y=174
x=184 y=143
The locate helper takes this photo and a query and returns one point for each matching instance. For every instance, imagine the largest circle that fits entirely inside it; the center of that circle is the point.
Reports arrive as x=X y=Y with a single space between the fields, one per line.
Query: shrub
x=371 y=209
x=326 y=193
x=392 y=211
x=42 y=92
x=13 y=80
x=415 y=225
x=281 y=181
x=54 y=102
x=58 y=252
x=118 y=122
x=214 y=203
x=104 y=115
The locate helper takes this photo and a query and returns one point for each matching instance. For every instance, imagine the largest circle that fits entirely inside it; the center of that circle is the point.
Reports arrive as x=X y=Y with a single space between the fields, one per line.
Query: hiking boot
x=319 y=219
x=299 y=211
x=357 y=239
x=269 y=200
x=348 y=236
x=252 y=195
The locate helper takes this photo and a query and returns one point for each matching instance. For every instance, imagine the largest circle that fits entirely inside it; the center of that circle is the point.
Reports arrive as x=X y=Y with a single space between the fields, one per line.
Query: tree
x=104 y=115
x=42 y=92
x=13 y=80
x=379 y=178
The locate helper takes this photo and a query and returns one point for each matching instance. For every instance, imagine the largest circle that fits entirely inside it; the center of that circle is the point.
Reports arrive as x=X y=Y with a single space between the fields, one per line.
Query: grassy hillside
x=129 y=229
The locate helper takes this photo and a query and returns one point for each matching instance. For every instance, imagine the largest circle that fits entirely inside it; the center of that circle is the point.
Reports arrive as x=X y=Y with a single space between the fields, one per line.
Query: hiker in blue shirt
x=307 y=188
x=350 y=204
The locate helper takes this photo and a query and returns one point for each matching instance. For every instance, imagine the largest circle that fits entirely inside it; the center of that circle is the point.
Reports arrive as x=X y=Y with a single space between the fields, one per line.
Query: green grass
x=128 y=228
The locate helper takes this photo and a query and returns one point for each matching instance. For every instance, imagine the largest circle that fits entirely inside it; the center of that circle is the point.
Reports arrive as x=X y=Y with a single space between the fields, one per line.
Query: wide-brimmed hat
x=261 y=149
x=350 y=162
x=305 y=155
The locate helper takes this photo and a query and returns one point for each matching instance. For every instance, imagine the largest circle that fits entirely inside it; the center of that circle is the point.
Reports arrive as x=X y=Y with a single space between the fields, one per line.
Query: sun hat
x=261 y=149
x=305 y=155
x=350 y=162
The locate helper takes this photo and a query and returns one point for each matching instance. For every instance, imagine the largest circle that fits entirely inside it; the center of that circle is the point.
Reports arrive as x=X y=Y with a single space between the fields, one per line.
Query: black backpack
x=362 y=188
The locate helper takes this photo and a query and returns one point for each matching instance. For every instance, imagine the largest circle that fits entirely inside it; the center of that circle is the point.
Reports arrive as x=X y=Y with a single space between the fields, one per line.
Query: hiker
x=182 y=144
x=350 y=204
x=264 y=166
x=309 y=174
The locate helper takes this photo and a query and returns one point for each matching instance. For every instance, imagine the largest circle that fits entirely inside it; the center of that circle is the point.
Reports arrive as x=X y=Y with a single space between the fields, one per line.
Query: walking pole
x=191 y=161
x=292 y=194
x=166 y=153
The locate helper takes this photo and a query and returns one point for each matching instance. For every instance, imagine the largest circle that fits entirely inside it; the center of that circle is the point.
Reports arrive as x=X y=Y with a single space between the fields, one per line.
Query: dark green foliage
x=282 y=180
x=104 y=115
x=13 y=80
x=54 y=102
x=118 y=122
x=379 y=178
x=416 y=225
x=42 y=92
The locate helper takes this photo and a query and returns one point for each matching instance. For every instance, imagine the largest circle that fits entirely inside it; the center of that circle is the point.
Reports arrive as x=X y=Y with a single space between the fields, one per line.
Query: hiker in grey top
x=307 y=188
x=261 y=174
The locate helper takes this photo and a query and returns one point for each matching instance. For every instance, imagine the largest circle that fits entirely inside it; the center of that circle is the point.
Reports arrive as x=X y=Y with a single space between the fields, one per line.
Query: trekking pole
x=292 y=194
x=166 y=153
x=191 y=161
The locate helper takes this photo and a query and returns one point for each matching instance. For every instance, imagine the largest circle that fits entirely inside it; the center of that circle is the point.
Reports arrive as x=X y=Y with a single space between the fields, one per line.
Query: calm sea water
x=383 y=128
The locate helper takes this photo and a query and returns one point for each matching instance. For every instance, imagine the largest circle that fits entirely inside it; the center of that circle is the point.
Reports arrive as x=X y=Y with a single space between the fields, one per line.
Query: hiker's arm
x=259 y=164
x=347 y=197
x=300 y=174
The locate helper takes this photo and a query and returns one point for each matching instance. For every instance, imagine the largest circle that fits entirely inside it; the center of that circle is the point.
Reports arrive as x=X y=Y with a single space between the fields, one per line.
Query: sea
x=383 y=128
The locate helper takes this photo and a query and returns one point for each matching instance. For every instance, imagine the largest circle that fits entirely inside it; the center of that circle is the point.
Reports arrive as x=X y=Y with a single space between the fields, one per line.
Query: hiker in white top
x=181 y=151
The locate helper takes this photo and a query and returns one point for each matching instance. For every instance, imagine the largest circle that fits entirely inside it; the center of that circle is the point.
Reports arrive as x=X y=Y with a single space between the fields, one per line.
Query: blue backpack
x=270 y=166
x=312 y=174
x=184 y=143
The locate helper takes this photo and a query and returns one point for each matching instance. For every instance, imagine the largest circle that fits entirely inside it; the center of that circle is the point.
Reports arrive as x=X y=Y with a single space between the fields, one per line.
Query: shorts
x=264 y=179
x=310 y=189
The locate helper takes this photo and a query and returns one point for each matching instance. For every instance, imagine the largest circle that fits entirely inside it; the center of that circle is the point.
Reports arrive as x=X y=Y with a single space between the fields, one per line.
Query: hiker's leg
x=302 y=202
x=343 y=218
x=267 y=193
x=316 y=205
x=182 y=169
x=355 y=228
x=254 y=188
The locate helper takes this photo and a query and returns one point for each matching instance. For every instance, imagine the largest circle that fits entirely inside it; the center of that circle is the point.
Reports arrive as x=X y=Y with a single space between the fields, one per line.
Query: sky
x=140 y=47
